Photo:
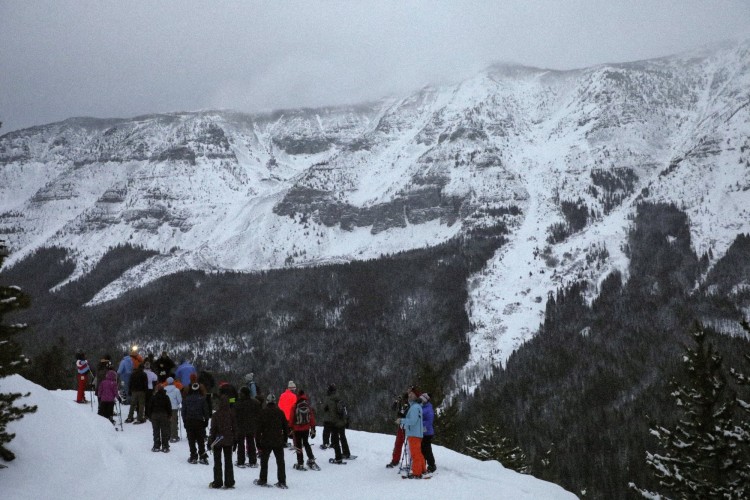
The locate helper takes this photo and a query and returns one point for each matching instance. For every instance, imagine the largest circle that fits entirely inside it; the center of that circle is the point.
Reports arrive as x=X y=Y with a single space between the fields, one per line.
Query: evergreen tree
x=11 y=359
x=447 y=426
x=705 y=453
x=488 y=443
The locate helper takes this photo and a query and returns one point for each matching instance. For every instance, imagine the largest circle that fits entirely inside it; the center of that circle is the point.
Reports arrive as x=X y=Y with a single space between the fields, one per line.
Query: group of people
x=415 y=417
x=218 y=419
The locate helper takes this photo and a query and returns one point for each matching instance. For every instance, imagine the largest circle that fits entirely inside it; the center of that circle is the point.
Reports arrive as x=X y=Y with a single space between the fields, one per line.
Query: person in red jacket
x=302 y=423
x=287 y=401
x=83 y=372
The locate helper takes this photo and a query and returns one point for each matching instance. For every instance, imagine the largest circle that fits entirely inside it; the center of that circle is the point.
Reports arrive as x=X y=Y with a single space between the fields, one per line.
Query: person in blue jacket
x=412 y=424
x=428 y=417
x=182 y=373
x=124 y=370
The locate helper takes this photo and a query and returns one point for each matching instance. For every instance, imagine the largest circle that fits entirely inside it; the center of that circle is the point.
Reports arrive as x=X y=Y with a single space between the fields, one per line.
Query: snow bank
x=66 y=451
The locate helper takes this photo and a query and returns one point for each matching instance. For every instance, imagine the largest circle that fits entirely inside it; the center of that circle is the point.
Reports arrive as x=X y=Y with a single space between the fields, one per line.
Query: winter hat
x=249 y=377
x=195 y=386
x=170 y=381
x=291 y=385
x=424 y=397
x=270 y=398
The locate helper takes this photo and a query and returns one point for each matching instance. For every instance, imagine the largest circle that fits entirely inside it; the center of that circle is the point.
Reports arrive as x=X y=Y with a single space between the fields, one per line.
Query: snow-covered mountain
x=560 y=157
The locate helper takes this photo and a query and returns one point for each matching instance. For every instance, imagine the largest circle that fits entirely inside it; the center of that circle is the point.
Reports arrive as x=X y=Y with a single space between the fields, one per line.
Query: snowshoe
x=241 y=466
x=312 y=465
x=324 y=446
x=299 y=467
x=283 y=486
x=165 y=449
x=391 y=465
x=253 y=466
x=349 y=457
x=337 y=462
x=156 y=448
x=128 y=420
x=214 y=486
x=193 y=460
x=258 y=482
x=228 y=487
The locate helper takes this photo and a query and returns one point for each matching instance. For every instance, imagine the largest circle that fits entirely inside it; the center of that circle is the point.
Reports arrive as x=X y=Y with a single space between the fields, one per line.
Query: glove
x=398 y=421
x=312 y=433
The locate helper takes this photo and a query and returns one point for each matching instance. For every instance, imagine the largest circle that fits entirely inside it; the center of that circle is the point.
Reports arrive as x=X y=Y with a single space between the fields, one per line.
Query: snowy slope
x=219 y=190
x=66 y=451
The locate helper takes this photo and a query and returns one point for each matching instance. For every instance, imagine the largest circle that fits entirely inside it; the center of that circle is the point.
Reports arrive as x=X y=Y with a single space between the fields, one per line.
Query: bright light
x=134 y=348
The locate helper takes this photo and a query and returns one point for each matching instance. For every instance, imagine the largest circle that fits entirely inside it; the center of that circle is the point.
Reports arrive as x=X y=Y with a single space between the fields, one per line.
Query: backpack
x=341 y=410
x=302 y=412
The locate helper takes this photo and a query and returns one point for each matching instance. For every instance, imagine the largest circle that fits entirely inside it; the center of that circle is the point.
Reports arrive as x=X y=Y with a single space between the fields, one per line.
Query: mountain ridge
x=559 y=157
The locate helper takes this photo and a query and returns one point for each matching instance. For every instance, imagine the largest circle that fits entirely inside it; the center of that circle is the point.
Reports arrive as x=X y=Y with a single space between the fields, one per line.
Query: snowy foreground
x=65 y=450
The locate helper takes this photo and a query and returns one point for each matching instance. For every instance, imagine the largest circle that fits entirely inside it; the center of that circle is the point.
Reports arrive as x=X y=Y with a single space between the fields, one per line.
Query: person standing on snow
x=182 y=373
x=401 y=407
x=247 y=409
x=195 y=415
x=273 y=430
x=124 y=370
x=161 y=414
x=223 y=438
x=252 y=387
x=83 y=373
x=137 y=394
x=412 y=425
x=335 y=412
x=302 y=423
x=107 y=394
x=175 y=398
x=287 y=400
x=428 y=417
x=152 y=379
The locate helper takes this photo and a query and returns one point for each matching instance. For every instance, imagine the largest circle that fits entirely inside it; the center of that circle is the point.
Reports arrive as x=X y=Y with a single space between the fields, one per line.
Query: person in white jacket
x=175 y=397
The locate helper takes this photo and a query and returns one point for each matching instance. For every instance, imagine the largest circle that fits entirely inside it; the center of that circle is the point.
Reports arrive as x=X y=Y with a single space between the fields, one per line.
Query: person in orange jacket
x=287 y=400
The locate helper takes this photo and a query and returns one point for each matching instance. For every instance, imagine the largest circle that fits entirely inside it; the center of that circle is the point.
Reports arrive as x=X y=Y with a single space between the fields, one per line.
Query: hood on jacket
x=111 y=375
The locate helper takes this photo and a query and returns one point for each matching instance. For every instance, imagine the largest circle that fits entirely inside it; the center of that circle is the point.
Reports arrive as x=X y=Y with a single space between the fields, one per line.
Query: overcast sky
x=123 y=58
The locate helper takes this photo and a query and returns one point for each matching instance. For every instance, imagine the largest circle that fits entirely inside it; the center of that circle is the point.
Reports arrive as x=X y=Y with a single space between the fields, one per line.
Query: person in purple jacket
x=428 y=417
x=107 y=393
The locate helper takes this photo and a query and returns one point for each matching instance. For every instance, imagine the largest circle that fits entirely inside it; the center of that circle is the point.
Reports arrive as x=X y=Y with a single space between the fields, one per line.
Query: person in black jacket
x=247 y=410
x=195 y=416
x=272 y=432
x=137 y=392
x=161 y=413
x=223 y=437
x=164 y=364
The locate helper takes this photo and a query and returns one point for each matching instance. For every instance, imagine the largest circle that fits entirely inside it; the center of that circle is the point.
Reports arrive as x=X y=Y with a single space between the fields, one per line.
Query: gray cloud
x=105 y=58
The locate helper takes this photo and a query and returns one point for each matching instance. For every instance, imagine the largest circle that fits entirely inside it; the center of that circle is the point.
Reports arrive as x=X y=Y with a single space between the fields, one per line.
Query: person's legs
x=344 y=442
x=278 y=453
x=264 y=454
x=417 y=460
x=427 y=452
x=400 y=437
x=228 y=468
x=217 y=483
x=335 y=443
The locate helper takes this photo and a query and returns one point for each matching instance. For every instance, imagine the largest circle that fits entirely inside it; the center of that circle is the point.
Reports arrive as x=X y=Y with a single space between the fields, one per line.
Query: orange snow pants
x=418 y=464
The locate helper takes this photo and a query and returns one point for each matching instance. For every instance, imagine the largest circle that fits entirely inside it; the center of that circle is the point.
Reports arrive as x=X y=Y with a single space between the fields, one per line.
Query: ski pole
x=179 y=424
x=119 y=412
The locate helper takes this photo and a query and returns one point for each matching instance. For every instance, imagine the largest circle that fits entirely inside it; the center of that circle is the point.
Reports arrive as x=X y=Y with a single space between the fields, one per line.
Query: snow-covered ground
x=65 y=450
